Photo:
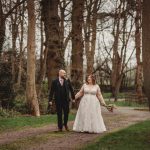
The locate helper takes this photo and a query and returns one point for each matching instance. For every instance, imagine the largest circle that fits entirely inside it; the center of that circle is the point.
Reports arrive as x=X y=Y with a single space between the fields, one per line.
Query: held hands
x=76 y=97
x=50 y=103
x=73 y=101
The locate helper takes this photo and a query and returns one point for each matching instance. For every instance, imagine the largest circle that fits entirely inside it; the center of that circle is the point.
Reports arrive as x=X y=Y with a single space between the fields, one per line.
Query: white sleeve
x=80 y=93
x=99 y=96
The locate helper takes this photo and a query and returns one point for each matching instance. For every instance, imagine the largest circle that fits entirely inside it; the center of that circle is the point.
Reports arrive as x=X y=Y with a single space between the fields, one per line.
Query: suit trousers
x=62 y=108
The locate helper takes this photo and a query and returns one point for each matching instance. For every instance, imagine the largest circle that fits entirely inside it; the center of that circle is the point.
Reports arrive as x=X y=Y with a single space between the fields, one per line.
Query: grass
x=128 y=104
x=108 y=95
x=123 y=103
x=16 y=123
x=135 y=137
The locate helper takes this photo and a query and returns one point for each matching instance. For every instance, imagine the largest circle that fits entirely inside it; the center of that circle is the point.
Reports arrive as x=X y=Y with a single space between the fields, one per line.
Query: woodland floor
x=46 y=137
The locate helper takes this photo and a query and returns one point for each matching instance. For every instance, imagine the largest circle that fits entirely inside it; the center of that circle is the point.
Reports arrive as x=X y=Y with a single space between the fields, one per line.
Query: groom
x=60 y=89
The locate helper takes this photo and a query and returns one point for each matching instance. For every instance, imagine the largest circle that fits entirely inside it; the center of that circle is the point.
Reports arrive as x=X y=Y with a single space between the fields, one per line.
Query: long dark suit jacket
x=55 y=90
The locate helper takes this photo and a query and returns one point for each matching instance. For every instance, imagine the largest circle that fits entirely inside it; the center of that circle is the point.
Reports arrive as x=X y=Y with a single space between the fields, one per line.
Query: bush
x=45 y=88
x=8 y=113
x=43 y=101
x=20 y=104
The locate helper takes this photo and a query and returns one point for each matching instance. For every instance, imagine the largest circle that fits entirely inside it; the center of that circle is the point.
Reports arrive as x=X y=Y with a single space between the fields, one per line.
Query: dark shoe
x=66 y=127
x=59 y=130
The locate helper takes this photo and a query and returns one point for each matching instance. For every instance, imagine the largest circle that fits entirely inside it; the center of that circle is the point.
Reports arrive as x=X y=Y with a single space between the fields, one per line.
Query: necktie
x=61 y=82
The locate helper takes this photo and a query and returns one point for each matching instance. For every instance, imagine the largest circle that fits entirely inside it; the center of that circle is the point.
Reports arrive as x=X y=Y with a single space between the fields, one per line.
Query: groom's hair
x=92 y=77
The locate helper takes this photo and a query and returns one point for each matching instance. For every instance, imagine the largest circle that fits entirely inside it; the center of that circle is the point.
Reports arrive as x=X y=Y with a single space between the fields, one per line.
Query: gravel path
x=120 y=118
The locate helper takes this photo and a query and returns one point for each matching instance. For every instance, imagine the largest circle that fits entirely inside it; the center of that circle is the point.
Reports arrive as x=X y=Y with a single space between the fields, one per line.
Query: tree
x=55 y=57
x=117 y=59
x=146 y=47
x=2 y=26
x=43 y=57
x=21 y=41
x=31 y=94
x=138 y=79
x=90 y=28
x=14 y=30
x=3 y=17
x=77 y=43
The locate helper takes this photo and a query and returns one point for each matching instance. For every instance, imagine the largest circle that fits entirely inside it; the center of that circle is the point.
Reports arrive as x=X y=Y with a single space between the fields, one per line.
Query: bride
x=89 y=118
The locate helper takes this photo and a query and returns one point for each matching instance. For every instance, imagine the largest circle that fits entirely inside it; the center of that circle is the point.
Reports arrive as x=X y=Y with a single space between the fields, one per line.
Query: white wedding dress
x=89 y=117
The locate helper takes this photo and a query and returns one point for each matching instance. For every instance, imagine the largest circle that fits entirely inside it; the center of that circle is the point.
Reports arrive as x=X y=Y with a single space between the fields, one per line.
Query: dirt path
x=120 y=118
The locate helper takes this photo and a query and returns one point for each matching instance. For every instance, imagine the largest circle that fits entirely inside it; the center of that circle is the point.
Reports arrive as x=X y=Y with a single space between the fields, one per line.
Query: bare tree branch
x=12 y=9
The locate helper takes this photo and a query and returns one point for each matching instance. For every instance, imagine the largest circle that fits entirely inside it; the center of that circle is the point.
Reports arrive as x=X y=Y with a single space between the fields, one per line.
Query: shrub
x=8 y=113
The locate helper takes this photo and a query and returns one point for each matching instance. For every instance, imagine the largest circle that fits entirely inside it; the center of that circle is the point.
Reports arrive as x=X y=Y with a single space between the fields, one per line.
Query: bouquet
x=110 y=107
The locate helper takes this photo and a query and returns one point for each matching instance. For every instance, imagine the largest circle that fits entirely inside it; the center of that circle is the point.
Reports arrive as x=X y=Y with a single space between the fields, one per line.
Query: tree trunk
x=117 y=86
x=116 y=60
x=91 y=52
x=139 y=81
x=146 y=47
x=87 y=37
x=31 y=94
x=62 y=14
x=42 y=69
x=55 y=57
x=21 y=46
x=14 y=30
x=77 y=43
x=2 y=27
x=64 y=40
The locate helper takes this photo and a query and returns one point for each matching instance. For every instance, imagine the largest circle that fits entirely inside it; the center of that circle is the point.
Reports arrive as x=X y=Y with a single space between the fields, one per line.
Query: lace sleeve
x=80 y=93
x=100 y=97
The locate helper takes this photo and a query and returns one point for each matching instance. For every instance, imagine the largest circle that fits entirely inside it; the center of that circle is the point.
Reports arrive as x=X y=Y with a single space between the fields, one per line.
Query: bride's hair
x=92 y=77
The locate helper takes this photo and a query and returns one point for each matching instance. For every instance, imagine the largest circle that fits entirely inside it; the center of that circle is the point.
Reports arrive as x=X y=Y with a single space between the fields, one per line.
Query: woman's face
x=89 y=79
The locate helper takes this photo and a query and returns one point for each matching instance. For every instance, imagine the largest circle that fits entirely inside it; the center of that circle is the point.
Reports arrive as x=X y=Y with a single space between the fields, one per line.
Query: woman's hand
x=77 y=96
x=110 y=107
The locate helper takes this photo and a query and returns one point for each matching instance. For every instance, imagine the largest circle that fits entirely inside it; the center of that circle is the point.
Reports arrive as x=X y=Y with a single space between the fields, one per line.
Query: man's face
x=62 y=74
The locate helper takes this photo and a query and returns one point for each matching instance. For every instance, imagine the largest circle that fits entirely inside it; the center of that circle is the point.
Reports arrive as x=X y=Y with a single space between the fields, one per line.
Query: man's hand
x=50 y=103
x=73 y=101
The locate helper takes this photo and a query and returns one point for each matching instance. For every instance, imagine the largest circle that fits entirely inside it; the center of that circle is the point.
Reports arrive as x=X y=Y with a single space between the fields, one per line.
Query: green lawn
x=135 y=137
x=128 y=104
x=28 y=121
x=108 y=95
